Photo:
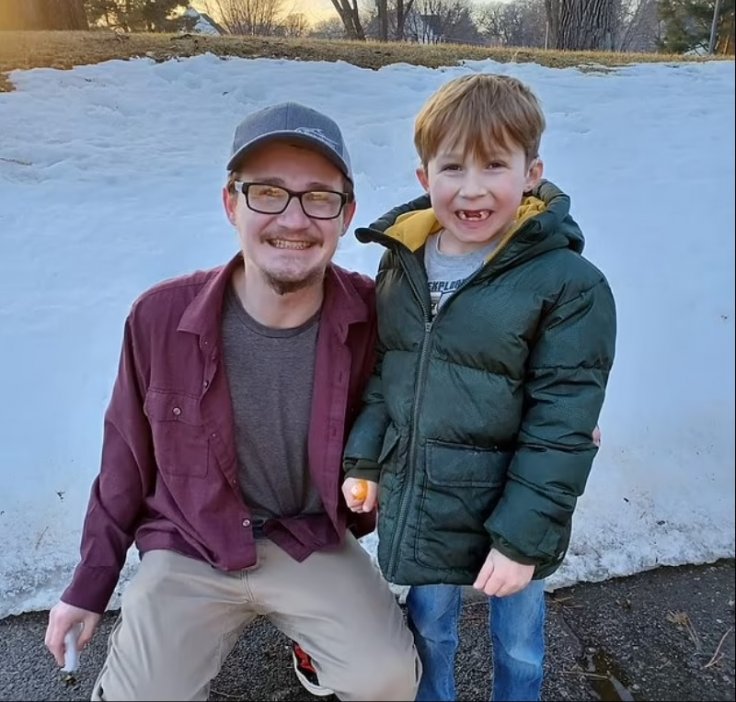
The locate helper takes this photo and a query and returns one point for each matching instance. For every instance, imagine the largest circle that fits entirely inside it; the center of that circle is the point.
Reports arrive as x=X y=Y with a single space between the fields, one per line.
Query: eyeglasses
x=273 y=199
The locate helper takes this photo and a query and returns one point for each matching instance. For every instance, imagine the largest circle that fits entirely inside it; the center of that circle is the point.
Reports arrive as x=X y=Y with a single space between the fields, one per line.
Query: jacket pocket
x=462 y=485
x=180 y=439
x=459 y=465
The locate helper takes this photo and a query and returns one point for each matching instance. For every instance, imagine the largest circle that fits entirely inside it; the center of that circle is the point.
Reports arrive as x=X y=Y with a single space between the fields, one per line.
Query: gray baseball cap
x=290 y=121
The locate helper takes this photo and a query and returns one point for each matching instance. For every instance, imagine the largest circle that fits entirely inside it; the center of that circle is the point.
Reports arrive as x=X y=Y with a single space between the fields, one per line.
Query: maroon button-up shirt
x=168 y=477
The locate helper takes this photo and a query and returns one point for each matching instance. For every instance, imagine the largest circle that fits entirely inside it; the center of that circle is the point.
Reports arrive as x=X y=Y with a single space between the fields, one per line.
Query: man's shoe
x=305 y=672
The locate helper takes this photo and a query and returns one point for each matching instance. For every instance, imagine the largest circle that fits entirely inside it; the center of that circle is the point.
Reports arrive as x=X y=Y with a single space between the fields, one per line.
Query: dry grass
x=68 y=49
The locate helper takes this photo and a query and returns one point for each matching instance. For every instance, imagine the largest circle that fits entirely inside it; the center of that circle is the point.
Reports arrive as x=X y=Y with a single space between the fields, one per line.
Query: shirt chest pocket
x=180 y=438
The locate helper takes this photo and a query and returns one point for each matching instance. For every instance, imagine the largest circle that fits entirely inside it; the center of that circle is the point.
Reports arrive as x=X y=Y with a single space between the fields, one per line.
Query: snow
x=110 y=179
x=201 y=25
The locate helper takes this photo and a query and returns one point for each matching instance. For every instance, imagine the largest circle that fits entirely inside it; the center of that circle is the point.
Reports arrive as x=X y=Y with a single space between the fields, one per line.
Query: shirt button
x=176 y=411
x=246 y=522
x=206 y=383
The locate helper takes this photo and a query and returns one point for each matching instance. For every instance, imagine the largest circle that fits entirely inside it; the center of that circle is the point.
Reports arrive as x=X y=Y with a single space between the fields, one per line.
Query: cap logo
x=318 y=134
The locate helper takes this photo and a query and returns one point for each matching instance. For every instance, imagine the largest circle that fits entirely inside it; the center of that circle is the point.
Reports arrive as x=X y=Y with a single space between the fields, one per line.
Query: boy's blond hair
x=479 y=114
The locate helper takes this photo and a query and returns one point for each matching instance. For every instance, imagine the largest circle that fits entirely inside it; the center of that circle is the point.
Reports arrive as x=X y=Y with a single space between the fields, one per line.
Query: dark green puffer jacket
x=481 y=419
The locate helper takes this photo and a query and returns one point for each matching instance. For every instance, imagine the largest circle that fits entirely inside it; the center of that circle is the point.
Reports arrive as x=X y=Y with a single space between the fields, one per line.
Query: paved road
x=667 y=634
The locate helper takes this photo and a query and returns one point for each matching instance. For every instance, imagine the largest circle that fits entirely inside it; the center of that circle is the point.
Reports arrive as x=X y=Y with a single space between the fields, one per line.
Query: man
x=223 y=445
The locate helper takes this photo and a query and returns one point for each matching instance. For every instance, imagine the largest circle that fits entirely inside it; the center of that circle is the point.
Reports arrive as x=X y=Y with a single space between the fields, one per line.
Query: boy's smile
x=474 y=215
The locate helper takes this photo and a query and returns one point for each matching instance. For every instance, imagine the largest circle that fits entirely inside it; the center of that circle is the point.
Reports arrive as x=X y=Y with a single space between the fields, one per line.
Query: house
x=424 y=28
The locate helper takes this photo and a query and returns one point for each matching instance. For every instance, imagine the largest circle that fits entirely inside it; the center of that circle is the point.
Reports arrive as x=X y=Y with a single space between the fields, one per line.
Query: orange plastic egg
x=360 y=490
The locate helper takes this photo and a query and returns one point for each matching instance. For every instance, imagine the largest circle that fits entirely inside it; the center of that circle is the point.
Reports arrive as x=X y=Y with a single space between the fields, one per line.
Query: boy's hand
x=597 y=436
x=360 y=495
x=500 y=576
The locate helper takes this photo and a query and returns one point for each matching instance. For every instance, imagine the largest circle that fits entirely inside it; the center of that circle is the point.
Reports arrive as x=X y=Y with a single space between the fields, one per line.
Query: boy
x=496 y=340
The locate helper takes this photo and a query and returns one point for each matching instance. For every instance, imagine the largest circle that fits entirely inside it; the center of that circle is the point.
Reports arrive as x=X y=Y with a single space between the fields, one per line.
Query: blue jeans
x=516 y=626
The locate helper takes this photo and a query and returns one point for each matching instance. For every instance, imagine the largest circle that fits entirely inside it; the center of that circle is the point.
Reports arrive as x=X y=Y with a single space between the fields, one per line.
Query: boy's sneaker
x=305 y=672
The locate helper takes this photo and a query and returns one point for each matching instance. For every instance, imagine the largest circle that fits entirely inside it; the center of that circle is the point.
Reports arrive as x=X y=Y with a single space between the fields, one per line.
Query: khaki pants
x=180 y=618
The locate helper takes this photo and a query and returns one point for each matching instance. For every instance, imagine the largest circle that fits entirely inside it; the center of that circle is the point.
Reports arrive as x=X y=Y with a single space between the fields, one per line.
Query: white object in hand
x=71 y=652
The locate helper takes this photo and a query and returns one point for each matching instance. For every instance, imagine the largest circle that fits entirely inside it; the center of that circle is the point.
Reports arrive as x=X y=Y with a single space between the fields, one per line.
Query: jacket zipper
x=413 y=448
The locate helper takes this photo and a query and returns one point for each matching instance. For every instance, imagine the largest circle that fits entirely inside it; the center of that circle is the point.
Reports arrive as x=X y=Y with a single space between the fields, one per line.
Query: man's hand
x=360 y=495
x=62 y=618
x=500 y=576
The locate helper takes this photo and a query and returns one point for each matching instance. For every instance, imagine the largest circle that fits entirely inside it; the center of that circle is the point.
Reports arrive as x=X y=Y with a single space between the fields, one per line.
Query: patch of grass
x=63 y=50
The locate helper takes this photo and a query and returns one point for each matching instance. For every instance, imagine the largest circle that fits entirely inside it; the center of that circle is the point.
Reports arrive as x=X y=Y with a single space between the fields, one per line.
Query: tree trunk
x=43 y=14
x=581 y=25
x=350 y=18
x=725 y=42
x=382 y=7
x=402 y=12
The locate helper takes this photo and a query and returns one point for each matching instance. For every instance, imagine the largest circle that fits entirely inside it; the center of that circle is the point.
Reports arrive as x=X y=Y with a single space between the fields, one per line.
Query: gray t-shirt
x=271 y=373
x=447 y=273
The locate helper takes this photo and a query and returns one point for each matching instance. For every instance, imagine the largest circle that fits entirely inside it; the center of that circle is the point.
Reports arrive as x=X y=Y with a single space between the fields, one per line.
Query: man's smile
x=289 y=244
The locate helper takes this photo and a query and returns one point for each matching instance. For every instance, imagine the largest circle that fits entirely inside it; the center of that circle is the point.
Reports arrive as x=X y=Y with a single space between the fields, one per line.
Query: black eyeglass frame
x=243 y=187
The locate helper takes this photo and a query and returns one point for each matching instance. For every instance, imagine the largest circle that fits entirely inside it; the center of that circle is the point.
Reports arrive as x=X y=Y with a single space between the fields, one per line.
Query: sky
x=110 y=180
x=314 y=10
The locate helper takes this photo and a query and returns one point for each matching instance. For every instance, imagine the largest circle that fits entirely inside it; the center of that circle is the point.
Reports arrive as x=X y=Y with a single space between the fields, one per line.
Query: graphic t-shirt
x=447 y=273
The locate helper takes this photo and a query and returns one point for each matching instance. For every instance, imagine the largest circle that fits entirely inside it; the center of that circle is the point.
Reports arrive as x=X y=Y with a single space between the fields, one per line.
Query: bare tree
x=248 y=17
x=295 y=24
x=43 y=14
x=388 y=19
x=382 y=8
x=403 y=10
x=725 y=37
x=719 y=16
x=638 y=26
x=515 y=23
x=581 y=25
x=331 y=28
x=498 y=22
x=350 y=17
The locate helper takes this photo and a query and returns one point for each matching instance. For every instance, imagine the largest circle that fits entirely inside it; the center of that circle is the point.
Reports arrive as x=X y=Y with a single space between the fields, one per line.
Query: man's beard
x=284 y=283
x=284 y=287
